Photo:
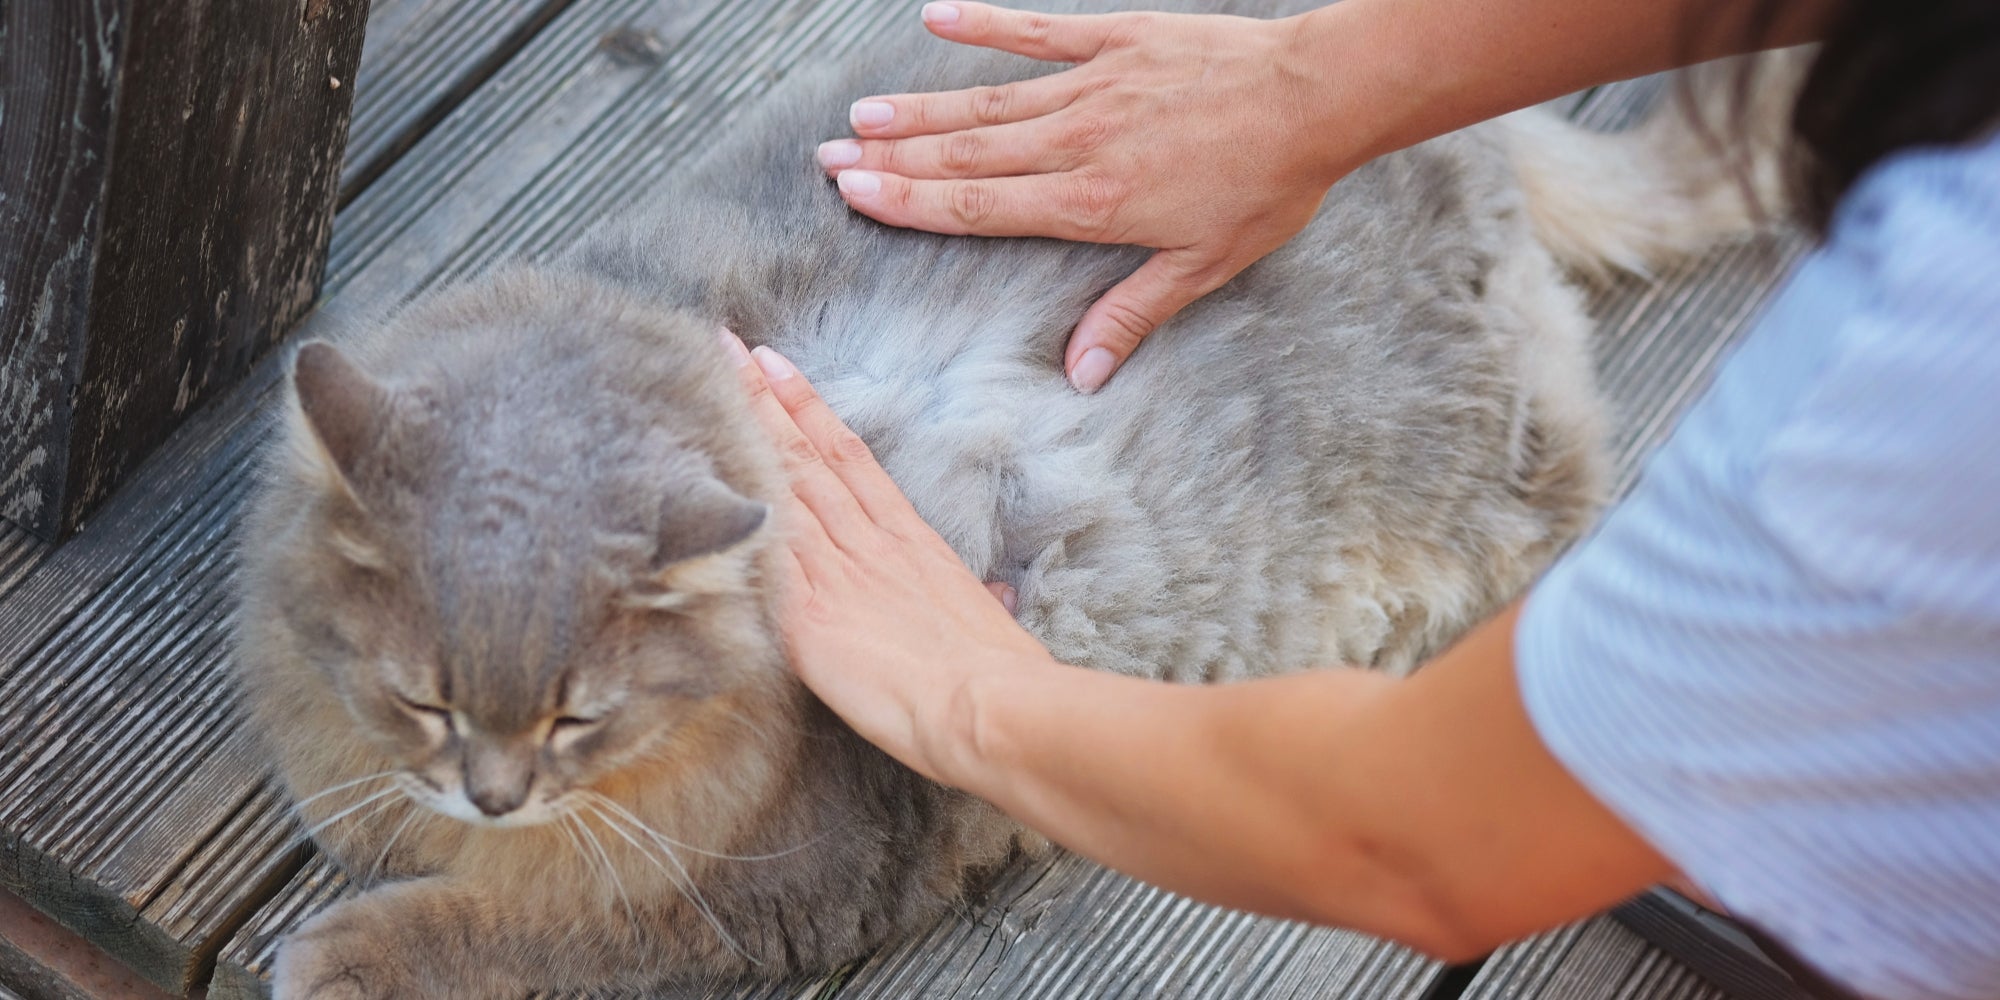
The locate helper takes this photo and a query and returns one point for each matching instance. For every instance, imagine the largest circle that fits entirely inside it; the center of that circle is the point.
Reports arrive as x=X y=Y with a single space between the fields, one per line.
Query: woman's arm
x=1424 y=810
x=1213 y=139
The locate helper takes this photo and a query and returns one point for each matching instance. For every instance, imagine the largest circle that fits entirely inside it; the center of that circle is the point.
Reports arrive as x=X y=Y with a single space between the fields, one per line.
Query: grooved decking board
x=1595 y=960
x=20 y=553
x=420 y=58
x=1659 y=345
x=1068 y=928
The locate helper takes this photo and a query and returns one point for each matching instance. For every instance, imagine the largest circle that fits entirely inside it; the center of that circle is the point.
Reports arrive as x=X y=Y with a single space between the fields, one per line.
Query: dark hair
x=1890 y=75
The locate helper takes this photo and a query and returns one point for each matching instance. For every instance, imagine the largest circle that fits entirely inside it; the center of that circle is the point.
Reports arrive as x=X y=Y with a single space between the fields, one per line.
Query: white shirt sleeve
x=1779 y=659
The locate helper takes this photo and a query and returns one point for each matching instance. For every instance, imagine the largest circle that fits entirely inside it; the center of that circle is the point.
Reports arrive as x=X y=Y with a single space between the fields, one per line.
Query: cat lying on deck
x=505 y=622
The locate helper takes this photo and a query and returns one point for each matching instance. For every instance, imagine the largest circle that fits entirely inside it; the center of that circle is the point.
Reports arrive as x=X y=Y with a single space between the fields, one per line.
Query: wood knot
x=633 y=47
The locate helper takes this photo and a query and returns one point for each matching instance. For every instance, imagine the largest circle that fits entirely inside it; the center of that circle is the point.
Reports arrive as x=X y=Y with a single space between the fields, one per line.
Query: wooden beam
x=168 y=174
x=40 y=958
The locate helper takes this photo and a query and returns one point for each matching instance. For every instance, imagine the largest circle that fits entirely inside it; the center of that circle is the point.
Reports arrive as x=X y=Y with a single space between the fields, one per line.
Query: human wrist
x=973 y=732
x=1361 y=90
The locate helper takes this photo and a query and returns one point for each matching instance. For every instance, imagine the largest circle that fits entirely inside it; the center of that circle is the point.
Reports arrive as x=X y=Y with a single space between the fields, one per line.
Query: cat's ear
x=704 y=518
x=343 y=408
x=703 y=525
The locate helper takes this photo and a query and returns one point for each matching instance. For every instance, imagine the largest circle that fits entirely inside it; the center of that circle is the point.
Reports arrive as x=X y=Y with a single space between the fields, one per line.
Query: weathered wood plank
x=246 y=962
x=1067 y=928
x=421 y=58
x=167 y=182
x=1595 y=960
x=42 y=960
x=1721 y=950
x=20 y=553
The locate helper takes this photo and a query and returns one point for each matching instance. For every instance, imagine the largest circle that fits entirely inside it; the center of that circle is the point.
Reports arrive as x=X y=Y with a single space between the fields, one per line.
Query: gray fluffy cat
x=505 y=608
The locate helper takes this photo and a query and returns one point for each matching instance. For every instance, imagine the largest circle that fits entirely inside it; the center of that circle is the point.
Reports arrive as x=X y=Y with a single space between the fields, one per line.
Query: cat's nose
x=497 y=801
x=498 y=772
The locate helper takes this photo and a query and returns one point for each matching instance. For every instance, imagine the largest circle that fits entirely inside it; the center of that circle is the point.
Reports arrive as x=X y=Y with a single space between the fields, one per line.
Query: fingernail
x=859 y=183
x=940 y=13
x=775 y=367
x=1092 y=370
x=870 y=114
x=839 y=153
x=734 y=345
x=1010 y=599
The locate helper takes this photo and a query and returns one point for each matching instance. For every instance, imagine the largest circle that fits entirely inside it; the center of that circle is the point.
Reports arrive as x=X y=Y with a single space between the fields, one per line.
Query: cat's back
x=1351 y=409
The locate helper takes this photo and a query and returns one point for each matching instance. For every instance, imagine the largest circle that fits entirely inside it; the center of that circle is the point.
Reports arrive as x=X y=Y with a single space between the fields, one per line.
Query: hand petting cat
x=1213 y=139
x=1254 y=795
x=1173 y=131
x=881 y=618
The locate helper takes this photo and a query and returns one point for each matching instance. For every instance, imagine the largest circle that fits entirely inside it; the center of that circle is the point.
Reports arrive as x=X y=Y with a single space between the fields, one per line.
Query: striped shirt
x=1779 y=659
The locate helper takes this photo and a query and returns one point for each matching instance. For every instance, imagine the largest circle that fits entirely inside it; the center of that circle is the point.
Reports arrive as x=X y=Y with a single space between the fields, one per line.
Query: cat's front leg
x=435 y=937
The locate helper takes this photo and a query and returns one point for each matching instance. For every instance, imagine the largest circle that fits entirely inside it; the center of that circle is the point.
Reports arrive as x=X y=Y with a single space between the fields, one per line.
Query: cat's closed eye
x=424 y=708
x=436 y=719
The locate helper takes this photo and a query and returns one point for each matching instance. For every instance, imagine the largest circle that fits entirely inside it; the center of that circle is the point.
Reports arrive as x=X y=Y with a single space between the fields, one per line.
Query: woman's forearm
x=1427 y=67
x=1423 y=810
x=1189 y=788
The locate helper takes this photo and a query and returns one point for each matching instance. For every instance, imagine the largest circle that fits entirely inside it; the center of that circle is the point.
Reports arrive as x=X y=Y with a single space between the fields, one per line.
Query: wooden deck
x=483 y=129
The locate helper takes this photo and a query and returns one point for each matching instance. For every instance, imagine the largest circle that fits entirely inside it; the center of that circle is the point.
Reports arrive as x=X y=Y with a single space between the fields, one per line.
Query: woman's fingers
x=837 y=453
x=1042 y=146
x=1050 y=37
x=813 y=483
x=1070 y=206
x=1006 y=594
x=1112 y=328
x=902 y=115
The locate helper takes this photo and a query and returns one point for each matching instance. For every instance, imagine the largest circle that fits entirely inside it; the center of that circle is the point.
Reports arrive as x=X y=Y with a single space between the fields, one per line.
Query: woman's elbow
x=1428 y=934
x=1390 y=900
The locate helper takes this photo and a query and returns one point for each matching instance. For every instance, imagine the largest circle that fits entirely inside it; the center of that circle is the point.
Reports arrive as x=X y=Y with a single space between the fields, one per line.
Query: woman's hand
x=882 y=619
x=1195 y=135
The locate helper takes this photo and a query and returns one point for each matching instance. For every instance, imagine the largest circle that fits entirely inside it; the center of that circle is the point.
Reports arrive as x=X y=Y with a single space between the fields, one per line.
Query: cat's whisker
x=562 y=827
x=685 y=883
x=301 y=804
x=566 y=825
x=646 y=852
x=382 y=858
x=377 y=799
x=605 y=801
x=610 y=869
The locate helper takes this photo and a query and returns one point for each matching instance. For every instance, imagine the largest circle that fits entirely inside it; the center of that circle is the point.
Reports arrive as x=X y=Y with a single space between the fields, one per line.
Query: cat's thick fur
x=512 y=557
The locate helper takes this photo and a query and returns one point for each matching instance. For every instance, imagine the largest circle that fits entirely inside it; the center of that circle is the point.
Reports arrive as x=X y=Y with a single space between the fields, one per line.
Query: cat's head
x=523 y=565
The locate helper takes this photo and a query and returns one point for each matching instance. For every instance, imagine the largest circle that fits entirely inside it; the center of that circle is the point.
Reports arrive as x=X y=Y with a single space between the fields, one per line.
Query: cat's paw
x=332 y=960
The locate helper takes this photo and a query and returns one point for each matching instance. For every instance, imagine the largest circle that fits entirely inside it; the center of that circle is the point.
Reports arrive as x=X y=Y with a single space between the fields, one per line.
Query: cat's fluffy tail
x=1669 y=186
